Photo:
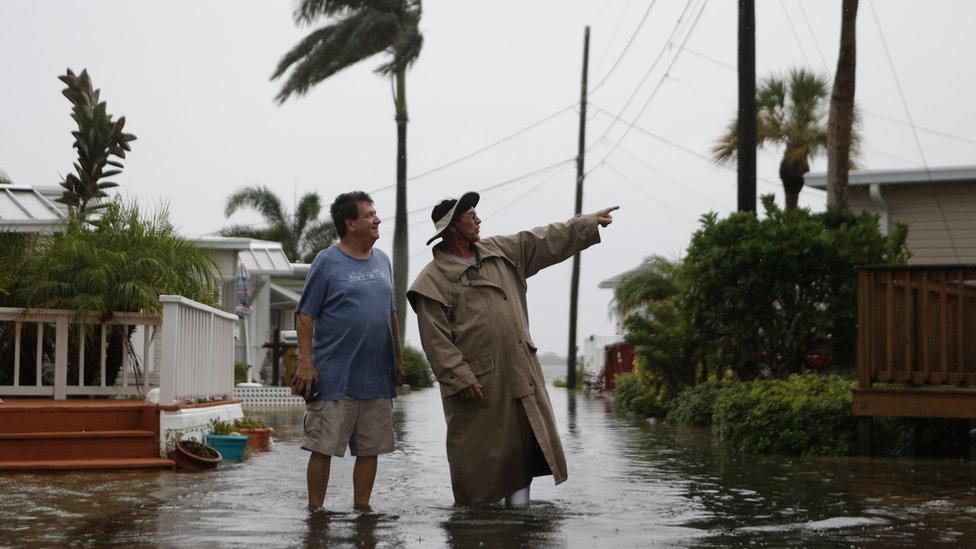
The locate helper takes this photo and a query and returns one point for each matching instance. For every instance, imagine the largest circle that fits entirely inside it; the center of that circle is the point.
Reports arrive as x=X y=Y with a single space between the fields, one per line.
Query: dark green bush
x=767 y=292
x=694 y=407
x=416 y=370
x=639 y=393
x=240 y=372
x=802 y=414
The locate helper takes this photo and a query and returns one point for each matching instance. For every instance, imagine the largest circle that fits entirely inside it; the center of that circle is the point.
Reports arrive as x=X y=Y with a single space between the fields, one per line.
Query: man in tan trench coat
x=471 y=308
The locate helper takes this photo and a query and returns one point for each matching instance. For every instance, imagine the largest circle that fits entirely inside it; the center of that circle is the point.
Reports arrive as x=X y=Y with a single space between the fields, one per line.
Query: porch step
x=78 y=445
x=39 y=415
x=86 y=464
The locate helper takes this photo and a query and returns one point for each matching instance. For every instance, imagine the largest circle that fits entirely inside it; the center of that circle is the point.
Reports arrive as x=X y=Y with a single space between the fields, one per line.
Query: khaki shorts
x=366 y=426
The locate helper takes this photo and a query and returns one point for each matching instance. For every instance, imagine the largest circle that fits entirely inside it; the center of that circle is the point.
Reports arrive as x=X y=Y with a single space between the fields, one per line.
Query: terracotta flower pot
x=259 y=438
x=187 y=458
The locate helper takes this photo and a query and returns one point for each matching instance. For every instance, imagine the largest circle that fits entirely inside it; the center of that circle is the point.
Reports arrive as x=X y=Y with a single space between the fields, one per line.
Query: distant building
x=937 y=204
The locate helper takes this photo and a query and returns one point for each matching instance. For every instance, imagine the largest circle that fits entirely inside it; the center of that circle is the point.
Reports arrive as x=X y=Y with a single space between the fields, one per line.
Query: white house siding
x=941 y=218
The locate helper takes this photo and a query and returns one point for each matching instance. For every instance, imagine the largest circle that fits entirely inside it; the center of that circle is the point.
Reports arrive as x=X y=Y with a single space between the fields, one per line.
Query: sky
x=192 y=80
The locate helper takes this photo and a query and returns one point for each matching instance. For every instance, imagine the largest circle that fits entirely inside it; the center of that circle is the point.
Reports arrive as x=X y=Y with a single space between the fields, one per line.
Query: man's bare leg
x=363 y=475
x=318 y=479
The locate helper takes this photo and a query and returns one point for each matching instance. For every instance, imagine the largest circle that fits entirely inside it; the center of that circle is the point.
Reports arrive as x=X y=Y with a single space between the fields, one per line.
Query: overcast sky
x=192 y=80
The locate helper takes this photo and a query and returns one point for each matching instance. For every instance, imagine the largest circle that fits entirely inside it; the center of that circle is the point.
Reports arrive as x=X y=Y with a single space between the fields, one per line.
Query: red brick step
x=86 y=464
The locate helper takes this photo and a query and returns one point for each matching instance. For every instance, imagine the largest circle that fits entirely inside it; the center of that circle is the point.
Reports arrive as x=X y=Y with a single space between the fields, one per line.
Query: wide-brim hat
x=448 y=210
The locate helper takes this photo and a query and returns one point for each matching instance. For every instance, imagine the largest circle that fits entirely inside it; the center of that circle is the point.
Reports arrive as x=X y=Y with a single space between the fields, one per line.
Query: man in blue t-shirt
x=350 y=351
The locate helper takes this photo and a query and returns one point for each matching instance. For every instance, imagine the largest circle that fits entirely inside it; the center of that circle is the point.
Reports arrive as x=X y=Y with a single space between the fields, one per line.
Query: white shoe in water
x=518 y=499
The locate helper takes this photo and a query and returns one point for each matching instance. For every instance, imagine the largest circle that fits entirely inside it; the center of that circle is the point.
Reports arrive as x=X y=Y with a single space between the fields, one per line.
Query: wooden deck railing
x=189 y=349
x=917 y=325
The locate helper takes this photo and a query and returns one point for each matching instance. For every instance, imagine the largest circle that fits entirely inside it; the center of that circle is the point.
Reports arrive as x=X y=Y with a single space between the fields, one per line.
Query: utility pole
x=746 y=149
x=580 y=175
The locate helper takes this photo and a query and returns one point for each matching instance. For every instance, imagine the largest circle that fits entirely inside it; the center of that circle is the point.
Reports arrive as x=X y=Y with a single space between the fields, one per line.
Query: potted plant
x=193 y=455
x=258 y=434
x=226 y=440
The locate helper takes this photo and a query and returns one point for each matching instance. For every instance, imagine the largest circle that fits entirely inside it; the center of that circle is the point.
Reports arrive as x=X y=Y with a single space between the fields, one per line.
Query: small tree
x=101 y=146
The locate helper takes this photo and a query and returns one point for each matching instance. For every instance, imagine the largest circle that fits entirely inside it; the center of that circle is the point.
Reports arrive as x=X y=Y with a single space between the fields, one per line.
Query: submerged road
x=632 y=484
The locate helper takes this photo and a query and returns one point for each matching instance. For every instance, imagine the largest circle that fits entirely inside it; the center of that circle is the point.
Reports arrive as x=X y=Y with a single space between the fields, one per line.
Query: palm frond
x=308 y=209
x=259 y=197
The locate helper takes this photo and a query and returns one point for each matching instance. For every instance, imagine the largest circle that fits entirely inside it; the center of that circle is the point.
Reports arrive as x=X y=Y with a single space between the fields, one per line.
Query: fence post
x=167 y=362
x=61 y=358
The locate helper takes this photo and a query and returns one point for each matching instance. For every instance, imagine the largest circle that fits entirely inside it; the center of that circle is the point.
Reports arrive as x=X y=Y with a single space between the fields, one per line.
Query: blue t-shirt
x=351 y=301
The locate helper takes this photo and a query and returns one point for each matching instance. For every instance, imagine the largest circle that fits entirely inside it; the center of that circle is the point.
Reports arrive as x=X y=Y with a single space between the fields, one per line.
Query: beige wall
x=933 y=212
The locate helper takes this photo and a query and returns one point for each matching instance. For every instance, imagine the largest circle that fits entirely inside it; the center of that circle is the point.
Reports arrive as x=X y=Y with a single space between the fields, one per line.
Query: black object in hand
x=313 y=391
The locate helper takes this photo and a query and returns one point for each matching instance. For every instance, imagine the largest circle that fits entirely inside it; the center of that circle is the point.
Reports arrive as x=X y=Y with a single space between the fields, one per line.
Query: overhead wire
x=908 y=114
x=796 y=35
x=623 y=52
x=651 y=197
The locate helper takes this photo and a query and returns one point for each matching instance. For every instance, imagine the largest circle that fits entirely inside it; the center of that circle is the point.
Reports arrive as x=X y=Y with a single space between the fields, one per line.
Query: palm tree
x=357 y=30
x=792 y=112
x=301 y=234
x=840 y=122
x=654 y=280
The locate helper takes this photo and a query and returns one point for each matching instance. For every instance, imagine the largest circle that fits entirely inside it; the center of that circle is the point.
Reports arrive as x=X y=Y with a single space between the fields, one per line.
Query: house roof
x=945 y=174
x=258 y=256
x=25 y=209
x=615 y=280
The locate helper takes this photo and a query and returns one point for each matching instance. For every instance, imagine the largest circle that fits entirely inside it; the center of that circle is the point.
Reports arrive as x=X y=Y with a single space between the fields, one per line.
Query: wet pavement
x=632 y=484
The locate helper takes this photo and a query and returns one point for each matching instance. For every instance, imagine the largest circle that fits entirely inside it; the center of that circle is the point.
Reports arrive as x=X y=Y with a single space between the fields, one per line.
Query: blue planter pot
x=231 y=447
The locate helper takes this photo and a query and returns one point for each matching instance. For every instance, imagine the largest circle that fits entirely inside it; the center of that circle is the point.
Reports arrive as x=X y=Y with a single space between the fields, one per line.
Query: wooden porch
x=916 y=344
x=61 y=410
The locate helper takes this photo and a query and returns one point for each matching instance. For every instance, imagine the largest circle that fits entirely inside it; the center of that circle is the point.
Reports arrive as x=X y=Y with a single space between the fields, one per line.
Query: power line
x=813 y=35
x=483 y=149
x=796 y=35
x=623 y=52
x=674 y=59
x=647 y=194
x=672 y=180
x=908 y=114
x=613 y=35
x=647 y=74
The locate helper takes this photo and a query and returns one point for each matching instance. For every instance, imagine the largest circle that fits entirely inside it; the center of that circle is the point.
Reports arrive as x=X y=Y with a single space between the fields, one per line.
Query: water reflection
x=503 y=528
x=328 y=529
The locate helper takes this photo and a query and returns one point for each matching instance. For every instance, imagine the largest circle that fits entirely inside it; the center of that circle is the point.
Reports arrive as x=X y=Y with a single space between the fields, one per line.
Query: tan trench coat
x=474 y=326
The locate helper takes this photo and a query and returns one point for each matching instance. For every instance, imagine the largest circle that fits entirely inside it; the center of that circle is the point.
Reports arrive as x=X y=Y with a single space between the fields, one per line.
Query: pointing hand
x=604 y=218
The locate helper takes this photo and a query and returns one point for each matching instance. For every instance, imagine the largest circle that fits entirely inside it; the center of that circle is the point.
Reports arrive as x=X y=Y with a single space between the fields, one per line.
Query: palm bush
x=301 y=234
x=122 y=265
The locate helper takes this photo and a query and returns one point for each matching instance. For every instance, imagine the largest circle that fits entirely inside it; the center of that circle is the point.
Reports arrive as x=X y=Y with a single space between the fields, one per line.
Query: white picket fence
x=189 y=349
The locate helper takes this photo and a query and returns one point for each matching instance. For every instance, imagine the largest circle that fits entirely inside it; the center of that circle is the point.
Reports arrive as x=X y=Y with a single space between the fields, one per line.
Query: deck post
x=61 y=357
x=864 y=435
x=168 y=358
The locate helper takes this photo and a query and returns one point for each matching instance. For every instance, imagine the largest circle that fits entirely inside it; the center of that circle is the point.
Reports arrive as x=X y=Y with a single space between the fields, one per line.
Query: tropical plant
x=355 y=31
x=122 y=265
x=101 y=146
x=655 y=279
x=302 y=234
x=792 y=113
x=840 y=122
x=4 y=178
x=766 y=293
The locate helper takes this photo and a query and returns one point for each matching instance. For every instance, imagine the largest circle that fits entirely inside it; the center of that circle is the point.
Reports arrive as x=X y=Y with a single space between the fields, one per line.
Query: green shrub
x=221 y=427
x=249 y=422
x=694 y=407
x=770 y=291
x=802 y=414
x=240 y=372
x=638 y=393
x=416 y=370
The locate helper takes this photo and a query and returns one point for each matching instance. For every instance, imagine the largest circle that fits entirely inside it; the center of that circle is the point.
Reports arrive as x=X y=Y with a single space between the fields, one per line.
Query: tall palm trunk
x=792 y=178
x=401 y=257
x=841 y=118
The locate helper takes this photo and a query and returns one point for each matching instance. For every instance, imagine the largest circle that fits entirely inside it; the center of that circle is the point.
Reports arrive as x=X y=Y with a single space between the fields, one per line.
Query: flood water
x=632 y=484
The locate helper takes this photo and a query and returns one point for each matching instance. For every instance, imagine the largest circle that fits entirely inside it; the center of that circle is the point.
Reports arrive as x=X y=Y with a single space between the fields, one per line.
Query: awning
x=25 y=210
x=281 y=294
